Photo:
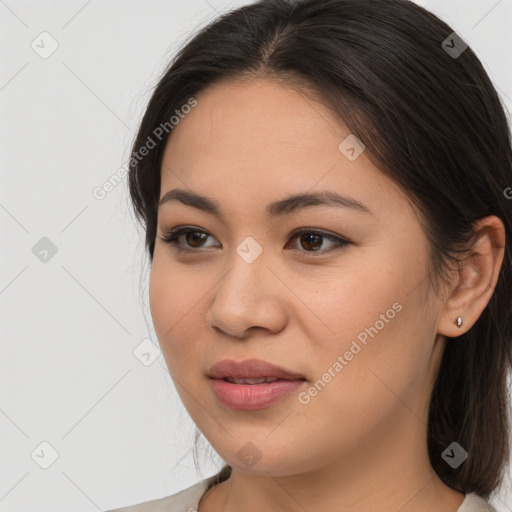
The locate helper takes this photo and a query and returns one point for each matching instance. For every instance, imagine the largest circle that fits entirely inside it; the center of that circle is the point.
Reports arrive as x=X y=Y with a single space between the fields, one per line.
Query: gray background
x=73 y=327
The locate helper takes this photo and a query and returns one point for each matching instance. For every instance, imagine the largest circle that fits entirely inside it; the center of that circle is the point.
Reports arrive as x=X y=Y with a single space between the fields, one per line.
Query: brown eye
x=194 y=239
x=190 y=240
x=312 y=241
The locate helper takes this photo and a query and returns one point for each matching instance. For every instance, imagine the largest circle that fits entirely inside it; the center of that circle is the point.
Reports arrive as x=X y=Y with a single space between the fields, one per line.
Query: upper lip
x=250 y=369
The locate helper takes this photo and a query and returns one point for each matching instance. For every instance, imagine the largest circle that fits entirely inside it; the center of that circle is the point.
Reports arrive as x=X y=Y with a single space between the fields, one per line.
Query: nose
x=249 y=297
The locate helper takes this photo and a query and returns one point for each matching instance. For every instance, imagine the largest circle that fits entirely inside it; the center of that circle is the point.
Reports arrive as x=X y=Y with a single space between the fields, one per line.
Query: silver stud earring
x=458 y=322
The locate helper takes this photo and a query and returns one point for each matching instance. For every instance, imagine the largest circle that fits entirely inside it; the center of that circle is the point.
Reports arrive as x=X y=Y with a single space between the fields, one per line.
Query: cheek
x=175 y=303
x=379 y=348
x=351 y=304
x=370 y=305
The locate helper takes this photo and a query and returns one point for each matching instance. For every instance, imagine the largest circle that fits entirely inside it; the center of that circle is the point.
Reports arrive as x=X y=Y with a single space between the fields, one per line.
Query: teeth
x=260 y=380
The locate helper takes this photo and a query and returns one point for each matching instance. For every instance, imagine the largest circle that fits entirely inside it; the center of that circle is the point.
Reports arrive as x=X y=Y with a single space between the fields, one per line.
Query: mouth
x=259 y=380
x=249 y=397
x=252 y=371
x=252 y=384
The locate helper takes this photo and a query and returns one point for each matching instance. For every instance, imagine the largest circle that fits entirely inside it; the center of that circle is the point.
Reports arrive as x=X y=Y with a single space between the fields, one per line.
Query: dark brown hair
x=430 y=120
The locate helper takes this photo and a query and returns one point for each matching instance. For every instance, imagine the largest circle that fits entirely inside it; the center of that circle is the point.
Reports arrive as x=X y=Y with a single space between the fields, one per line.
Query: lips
x=260 y=380
x=250 y=371
x=252 y=384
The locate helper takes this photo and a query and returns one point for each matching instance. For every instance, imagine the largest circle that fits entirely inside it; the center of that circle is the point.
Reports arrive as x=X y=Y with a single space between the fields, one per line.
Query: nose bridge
x=247 y=278
x=248 y=295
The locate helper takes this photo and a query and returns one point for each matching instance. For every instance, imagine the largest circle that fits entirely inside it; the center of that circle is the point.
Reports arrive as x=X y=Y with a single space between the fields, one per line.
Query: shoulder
x=184 y=501
x=474 y=503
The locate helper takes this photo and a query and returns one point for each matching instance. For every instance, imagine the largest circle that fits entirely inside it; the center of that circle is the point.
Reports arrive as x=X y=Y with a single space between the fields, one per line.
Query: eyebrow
x=279 y=208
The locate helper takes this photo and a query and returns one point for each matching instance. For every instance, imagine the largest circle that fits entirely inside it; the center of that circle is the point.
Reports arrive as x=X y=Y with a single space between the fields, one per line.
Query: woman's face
x=356 y=321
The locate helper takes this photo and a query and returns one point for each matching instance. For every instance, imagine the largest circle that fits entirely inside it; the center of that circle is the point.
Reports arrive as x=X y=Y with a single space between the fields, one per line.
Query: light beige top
x=188 y=501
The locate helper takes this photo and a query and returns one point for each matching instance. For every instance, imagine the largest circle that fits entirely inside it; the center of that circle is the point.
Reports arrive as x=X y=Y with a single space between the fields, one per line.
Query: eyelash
x=171 y=237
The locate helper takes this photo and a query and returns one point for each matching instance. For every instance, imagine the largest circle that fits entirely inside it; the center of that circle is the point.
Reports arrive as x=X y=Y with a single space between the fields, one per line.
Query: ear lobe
x=476 y=278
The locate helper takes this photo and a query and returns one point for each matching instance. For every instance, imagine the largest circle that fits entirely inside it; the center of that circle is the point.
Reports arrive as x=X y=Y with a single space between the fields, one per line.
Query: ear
x=476 y=278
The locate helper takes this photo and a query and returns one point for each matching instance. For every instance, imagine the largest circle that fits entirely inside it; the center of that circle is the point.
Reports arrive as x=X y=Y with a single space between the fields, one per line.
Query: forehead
x=254 y=120
x=262 y=140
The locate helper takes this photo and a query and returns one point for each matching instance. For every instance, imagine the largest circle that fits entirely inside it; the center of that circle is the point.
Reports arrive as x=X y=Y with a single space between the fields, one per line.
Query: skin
x=361 y=441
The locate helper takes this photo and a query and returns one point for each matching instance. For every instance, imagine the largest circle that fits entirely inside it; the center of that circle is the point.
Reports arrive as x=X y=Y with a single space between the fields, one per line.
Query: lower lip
x=253 y=396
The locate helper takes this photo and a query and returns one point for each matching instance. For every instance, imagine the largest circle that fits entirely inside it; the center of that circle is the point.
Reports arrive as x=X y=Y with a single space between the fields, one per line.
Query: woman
x=323 y=185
